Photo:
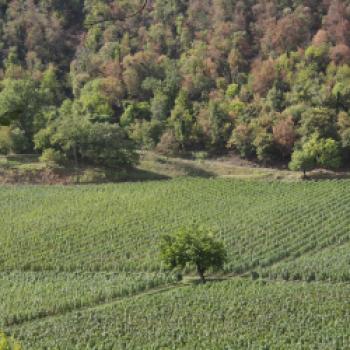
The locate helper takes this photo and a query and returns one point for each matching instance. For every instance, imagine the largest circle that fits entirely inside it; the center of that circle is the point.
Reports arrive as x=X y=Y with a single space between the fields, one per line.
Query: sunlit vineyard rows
x=117 y=227
x=84 y=261
x=331 y=264
x=27 y=296
x=227 y=315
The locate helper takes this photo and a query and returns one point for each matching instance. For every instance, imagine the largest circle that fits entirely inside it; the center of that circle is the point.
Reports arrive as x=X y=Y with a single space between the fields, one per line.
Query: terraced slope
x=69 y=252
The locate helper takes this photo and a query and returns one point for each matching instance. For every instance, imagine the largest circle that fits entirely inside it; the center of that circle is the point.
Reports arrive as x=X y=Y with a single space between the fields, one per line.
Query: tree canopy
x=256 y=77
x=317 y=152
x=193 y=246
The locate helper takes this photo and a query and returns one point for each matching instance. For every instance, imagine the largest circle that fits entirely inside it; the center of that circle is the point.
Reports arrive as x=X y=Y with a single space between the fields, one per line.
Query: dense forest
x=269 y=79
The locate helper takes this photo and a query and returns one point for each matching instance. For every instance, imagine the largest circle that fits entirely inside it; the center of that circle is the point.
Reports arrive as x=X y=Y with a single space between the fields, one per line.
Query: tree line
x=268 y=79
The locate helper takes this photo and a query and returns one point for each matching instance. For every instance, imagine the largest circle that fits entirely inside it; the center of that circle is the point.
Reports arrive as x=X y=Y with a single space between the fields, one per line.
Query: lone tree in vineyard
x=194 y=246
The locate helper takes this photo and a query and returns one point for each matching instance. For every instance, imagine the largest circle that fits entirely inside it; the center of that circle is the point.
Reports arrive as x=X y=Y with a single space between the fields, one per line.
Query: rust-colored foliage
x=263 y=73
x=284 y=135
x=337 y=22
x=340 y=54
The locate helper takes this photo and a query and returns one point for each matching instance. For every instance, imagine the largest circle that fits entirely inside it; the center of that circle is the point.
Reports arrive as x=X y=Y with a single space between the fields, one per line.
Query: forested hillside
x=266 y=78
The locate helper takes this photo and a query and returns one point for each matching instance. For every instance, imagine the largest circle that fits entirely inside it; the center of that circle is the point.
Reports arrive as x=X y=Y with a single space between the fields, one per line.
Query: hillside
x=84 y=262
x=92 y=81
x=223 y=122
x=28 y=169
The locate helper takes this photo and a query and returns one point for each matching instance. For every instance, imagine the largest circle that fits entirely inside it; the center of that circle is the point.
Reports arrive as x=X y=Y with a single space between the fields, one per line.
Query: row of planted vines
x=117 y=227
x=229 y=315
x=72 y=257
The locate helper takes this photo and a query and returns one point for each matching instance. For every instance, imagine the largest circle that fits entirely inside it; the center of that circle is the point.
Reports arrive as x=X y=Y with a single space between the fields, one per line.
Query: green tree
x=215 y=125
x=264 y=145
x=316 y=152
x=344 y=129
x=160 y=106
x=12 y=140
x=242 y=140
x=302 y=160
x=134 y=112
x=341 y=89
x=194 y=246
x=232 y=90
x=318 y=120
x=182 y=119
x=50 y=87
x=329 y=154
x=78 y=138
x=318 y=54
x=19 y=105
x=145 y=133
x=95 y=102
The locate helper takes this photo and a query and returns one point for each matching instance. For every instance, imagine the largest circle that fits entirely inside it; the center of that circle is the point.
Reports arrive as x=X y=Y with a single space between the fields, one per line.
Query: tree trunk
x=76 y=164
x=201 y=275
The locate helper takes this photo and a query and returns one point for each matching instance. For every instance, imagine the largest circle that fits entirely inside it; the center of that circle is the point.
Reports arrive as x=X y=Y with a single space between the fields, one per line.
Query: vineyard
x=227 y=315
x=80 y=267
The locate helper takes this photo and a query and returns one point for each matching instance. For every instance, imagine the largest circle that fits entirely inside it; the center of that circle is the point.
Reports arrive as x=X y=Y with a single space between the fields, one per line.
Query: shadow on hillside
x=139 y=175
x=326 y=175
x=195 y=281
x=193 y=170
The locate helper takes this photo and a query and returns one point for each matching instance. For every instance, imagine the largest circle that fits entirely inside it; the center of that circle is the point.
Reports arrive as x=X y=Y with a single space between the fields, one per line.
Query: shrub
x=5 y=140
x=316 y=152
x=168 y=144
x=51 y=156
x=12 y=140
x=232 y=90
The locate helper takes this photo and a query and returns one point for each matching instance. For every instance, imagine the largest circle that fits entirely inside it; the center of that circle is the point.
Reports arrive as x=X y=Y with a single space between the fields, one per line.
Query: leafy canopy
x=194 y=246
x=316 y=152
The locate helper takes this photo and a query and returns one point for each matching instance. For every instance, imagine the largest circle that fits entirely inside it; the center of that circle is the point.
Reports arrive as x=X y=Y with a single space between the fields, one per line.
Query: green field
x=80 y=267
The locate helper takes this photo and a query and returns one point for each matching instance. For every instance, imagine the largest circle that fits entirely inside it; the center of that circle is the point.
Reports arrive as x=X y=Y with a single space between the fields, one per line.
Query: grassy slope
x=152 y=167
x=100 y=231
x=28 y=169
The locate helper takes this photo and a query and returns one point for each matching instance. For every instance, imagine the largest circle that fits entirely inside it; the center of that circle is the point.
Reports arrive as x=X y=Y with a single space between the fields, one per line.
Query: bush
x=232 y=90
x=302 y=160
x=107 y=145
x=200 y=156
x=12 y=140
x=146 y=133
x=51 y=156
x=265 y=146
x=168 y=144
x=242 y=140
x=316 y=152
x=79 y=138
x=5 y=140
x=19 y=141
x=93 y=176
